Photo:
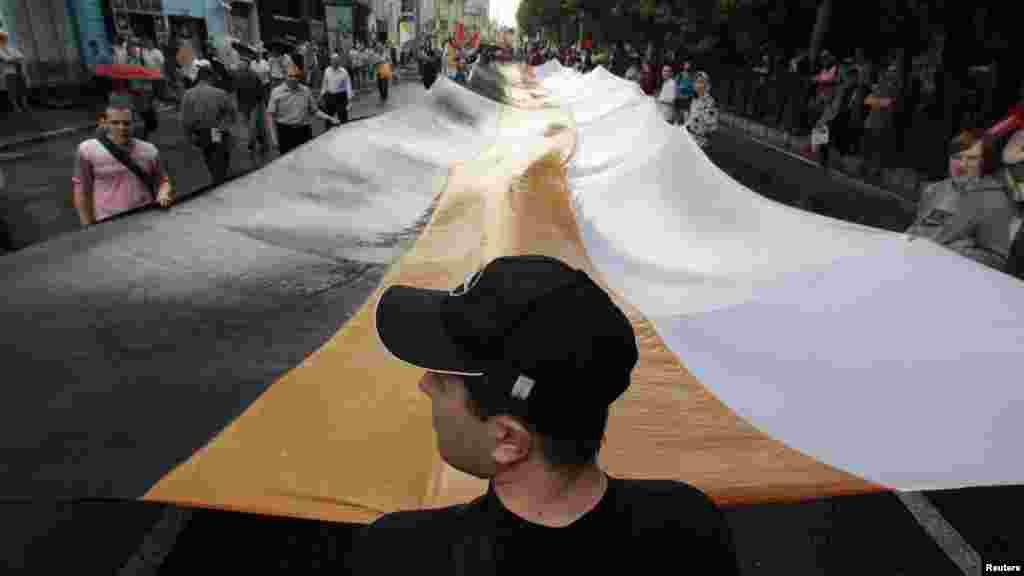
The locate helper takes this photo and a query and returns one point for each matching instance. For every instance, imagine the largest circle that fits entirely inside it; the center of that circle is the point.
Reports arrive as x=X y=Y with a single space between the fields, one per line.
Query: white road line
x=942 y=532
x=158 y=543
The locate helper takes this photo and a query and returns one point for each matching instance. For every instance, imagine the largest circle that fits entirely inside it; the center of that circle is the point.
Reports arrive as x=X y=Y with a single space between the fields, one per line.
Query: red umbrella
x=128 y=72
x=1013 y=121
x=460 y=34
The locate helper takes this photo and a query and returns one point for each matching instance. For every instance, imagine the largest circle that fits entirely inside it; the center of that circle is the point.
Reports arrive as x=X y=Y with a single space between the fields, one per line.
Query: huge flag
x=224 y=354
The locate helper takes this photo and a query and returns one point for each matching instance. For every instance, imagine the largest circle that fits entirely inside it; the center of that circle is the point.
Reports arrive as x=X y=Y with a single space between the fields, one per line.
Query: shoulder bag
x=150 y=181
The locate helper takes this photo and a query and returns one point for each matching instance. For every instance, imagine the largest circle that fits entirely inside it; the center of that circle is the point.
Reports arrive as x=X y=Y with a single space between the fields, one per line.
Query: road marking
x=158 y=543
x=942 y=532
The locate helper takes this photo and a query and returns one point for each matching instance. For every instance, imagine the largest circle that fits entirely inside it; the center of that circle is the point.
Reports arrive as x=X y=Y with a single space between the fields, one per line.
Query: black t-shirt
x=638 y=524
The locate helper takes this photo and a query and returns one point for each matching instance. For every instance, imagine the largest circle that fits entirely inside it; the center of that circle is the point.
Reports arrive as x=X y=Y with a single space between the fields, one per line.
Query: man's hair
x=566 y=455
x=967 y=139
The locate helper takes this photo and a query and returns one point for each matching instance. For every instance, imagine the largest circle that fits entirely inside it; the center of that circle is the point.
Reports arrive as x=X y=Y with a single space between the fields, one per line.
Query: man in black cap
x=523 y=361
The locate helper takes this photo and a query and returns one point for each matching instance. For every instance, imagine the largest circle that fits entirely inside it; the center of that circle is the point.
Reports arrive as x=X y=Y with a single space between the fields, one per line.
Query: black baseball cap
x=543 y=333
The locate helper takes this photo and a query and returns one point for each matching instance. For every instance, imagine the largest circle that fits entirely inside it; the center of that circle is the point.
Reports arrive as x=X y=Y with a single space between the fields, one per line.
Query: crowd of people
x=276 y=92
x=857 y=104
x=683 y=96
x=860 y=105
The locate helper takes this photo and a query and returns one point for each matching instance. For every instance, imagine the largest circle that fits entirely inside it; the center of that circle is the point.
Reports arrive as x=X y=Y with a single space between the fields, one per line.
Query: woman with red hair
x=970 y=169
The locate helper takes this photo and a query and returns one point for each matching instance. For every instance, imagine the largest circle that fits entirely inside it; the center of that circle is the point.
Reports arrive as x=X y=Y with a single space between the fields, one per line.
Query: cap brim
x=410 y=327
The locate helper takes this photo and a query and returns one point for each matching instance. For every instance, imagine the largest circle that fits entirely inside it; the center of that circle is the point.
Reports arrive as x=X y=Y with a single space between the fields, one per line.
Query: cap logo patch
x=466 y=286
x=521 y=389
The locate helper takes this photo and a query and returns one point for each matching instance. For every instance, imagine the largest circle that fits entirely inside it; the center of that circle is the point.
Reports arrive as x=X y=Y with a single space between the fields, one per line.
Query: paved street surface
x=36 y=203
x=852 y=535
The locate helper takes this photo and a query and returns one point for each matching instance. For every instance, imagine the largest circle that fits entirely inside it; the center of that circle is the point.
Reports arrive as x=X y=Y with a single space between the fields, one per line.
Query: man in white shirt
x=667 y=96
x=336 y=92
x=153 y=58
x=280 y=62
x=261 y=67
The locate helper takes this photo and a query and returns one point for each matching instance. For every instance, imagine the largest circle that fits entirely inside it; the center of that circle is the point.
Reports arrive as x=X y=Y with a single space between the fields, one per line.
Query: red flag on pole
x=1013 y=122
x=474 y=41
x=460 y=34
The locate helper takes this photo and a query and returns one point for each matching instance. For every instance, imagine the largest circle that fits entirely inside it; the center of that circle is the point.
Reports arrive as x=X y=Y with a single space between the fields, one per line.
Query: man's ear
x=513 y=440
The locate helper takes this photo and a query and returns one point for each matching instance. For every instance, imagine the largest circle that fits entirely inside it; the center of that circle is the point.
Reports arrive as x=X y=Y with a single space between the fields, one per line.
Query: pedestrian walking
x=207 y=114
x=143 y=91
x=153 y=57
x=251 y=104
x=667 y=96
x=384 y=73
x=336 y=92
x=279 y=65
x=291 y=110
x=12 y=71
x=115 y=173
x=430 y=63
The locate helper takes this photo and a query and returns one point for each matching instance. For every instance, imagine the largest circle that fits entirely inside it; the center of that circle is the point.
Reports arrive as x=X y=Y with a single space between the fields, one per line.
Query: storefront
x=243 y=21
x=139 y=18
x=339 y=25
x=44 y=31
x=186 y=23
x=283 y=21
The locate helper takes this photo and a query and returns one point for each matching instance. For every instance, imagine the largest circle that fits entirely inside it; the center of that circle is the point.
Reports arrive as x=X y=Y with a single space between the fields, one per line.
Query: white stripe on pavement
x=942 y=532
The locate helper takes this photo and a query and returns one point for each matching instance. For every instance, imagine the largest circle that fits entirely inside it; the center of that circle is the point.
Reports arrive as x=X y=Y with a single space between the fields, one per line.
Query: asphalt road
x=36 y=200
x=851 y=535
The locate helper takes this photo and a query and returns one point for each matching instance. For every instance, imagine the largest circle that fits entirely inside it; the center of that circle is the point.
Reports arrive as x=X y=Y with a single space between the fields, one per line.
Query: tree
x=534 y=15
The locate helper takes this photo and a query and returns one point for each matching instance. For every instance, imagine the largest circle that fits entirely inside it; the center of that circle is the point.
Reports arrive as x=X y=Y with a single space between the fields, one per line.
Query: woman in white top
x=667 y=96
x=12 y=70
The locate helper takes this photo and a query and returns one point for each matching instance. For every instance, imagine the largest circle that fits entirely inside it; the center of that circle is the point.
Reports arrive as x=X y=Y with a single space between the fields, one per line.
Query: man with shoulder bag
x=115 y=173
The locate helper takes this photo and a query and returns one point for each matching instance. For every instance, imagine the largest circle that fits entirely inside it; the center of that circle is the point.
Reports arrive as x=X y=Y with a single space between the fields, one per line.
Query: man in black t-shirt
x=523 y=361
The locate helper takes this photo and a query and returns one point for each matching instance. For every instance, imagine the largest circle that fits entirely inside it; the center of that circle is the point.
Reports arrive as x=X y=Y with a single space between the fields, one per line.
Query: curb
x=790 y=145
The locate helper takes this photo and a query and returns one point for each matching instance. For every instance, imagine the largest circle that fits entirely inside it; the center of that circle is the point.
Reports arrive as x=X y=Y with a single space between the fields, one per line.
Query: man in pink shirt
x=103 y=185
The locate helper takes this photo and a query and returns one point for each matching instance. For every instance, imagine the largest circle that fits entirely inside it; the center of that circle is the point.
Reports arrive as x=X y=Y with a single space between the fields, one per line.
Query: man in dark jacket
x=207 y=114
x=251 y=103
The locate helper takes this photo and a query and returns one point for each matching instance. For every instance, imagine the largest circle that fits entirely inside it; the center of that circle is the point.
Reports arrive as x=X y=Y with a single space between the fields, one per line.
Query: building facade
x=44 y=30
